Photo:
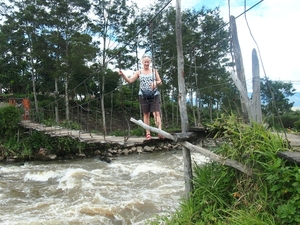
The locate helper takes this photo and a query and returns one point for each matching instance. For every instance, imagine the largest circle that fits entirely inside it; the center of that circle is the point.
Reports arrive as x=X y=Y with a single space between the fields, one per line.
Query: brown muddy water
x=132 y=189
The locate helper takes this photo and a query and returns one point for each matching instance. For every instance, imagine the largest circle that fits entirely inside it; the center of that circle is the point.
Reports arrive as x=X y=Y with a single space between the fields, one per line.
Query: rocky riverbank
x=106 y=155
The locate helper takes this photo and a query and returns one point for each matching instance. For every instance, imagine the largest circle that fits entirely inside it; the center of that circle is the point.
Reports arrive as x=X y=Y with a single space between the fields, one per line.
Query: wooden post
x=256 y=114
x=188 y=175
x=239 y=67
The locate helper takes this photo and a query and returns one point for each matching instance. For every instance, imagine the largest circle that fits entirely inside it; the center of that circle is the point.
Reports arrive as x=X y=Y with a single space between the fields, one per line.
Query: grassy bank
x=223 y=195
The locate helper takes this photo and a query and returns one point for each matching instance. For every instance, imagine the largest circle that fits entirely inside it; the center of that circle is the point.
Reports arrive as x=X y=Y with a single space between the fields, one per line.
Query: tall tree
x=12 y=62
x=72 y=46
x=109 y=24
x=28 y=20
x=275 y=96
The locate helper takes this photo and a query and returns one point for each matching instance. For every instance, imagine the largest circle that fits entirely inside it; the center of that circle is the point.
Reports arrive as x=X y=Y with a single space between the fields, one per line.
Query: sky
x=274 y=26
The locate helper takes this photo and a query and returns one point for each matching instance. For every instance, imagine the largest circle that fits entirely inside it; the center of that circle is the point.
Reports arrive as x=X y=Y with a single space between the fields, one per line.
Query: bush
x=287 y=120
x=9 y=119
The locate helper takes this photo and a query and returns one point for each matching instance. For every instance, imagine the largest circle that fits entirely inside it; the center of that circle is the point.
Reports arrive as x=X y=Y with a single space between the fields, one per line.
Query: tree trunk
x=198 y=96
x=67 y=98
x=56 y=83
x=198 y=107
x=102 y=106
x=166 y=119
x=103 y=87
x=239 y=67
x=66 y=73
x=210 y=106
x=34 y=87
x=111 y=111
x=56 y=102
x=188 y=175
x=256 y=114
x=173 y=108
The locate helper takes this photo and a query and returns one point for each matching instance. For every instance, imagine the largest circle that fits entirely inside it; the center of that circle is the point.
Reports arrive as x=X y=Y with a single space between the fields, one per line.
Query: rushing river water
x=130 y=190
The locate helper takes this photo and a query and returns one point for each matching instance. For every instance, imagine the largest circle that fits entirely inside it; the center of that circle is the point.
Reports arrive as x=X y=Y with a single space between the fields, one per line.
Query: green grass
x=223 y=195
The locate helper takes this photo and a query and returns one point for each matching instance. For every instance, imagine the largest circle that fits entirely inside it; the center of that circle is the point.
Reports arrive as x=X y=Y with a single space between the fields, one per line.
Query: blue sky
x=274 y=25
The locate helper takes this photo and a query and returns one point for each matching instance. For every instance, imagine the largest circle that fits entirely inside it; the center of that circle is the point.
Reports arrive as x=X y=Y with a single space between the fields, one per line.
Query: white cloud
x=274 y=26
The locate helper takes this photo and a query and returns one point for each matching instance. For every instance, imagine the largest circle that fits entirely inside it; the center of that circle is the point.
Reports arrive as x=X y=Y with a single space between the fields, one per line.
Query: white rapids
x=131 y=189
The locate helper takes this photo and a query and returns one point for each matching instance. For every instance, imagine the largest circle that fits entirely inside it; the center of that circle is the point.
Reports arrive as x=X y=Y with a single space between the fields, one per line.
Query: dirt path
x=293 y=138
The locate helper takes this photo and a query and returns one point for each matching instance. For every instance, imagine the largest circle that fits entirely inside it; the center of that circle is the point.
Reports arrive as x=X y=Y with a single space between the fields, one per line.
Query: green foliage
x=243 y=217
x=71 y=125
x=213 y=187
x=284 y=183
x=297 y=125
x=26 y=153
x=120 y=132
x=223 y=195
x=138 y=131
x=9 y=119
x=274 y=96
x=38 y=140
x=68 y=145
x=11 y=146
x=289 y=120
x=49 y=122
x=258 y=139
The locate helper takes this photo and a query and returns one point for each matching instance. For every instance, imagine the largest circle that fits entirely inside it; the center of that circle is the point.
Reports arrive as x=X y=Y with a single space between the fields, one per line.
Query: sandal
x=148 y=137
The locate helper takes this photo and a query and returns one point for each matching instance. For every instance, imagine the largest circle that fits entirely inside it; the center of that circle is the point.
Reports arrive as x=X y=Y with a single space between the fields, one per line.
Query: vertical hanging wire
x=123 y=108
x=152 y=44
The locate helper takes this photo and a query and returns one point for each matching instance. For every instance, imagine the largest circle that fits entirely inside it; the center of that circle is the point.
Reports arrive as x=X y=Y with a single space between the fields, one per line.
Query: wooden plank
x=219 y=159
x=292 y=157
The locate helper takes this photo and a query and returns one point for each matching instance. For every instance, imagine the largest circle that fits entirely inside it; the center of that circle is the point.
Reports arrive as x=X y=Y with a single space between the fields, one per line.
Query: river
x=130 y=190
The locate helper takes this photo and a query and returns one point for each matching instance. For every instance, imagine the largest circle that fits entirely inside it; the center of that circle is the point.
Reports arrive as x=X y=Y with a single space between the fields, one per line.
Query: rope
x=123 y=109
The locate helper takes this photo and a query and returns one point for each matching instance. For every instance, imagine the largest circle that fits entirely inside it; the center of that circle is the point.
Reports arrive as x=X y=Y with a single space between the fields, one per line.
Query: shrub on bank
x=9 y=119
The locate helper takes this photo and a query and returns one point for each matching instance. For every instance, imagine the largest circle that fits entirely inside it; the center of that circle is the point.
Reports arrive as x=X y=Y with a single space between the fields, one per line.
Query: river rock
x=97 y=152
x=148 y=148
x=139 y=149
x=43 y=155
x=80 y=155
x=11 y=159
x=105 y=159
x=125 y=151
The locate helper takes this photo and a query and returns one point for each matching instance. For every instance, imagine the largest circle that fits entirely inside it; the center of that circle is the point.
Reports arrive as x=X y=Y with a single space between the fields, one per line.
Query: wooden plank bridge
x=83 y=136
x=88 y=137
x=58 y=131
